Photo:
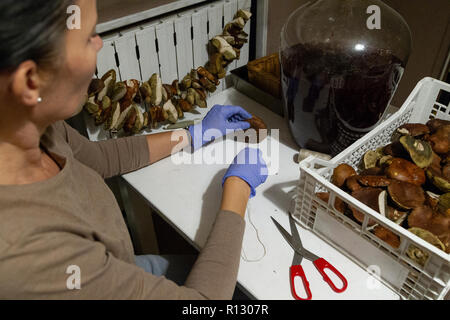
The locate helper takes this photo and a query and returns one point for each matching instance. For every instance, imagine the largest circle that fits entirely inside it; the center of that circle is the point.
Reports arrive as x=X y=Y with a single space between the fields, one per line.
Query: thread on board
x=243 y=254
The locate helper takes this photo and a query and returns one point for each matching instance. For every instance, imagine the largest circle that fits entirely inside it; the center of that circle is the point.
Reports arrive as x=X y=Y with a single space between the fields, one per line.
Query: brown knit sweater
x=73 y=219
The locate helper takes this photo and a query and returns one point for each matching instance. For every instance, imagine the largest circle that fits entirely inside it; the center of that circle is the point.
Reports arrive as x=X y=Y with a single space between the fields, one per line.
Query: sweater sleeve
x=62 y=265
x=109 y=158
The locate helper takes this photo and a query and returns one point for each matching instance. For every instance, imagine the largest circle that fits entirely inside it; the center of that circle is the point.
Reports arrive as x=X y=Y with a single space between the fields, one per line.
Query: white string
x=243 y=255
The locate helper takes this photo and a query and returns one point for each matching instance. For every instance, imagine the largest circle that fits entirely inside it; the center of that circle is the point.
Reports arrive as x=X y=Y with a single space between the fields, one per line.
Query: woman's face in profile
x=71 y=82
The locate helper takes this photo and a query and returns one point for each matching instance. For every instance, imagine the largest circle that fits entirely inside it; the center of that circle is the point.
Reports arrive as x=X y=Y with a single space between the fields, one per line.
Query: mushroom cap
x=418 y=255
x=352 y=183
x=387 y=236
x=395 y=149
x=413 y=129
x=438 y=180
x=368 y=196
x=420 y=217
x=259 y=126
x=440 y=140
x=341 y=173
x=374 y=181
x=434 y=124
x=444 y=204
x=95 y=87
x=406 y=195
x=370 y=159
x=404 y=170
x=419 y=151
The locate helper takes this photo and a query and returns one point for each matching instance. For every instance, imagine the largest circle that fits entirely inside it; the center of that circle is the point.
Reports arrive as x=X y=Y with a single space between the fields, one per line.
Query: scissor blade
x=294 y=244
x=296 y=237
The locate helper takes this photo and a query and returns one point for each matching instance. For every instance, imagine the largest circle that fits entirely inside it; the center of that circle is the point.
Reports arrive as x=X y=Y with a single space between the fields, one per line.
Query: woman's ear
x=26 y=84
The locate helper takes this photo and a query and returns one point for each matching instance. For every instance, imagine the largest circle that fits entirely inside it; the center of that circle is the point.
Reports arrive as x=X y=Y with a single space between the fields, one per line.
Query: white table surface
x=188 y=197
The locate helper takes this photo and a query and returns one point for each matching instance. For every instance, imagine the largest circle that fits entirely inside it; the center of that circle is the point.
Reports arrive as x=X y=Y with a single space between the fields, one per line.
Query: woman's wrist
x=236 y=193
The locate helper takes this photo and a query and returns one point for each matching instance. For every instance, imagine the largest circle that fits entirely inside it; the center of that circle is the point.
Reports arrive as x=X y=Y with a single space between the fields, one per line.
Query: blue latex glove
x=218 y=120
x=250 y=166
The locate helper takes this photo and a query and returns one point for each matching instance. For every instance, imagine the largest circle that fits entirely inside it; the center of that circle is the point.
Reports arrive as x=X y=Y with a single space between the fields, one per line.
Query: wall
x=428 y=20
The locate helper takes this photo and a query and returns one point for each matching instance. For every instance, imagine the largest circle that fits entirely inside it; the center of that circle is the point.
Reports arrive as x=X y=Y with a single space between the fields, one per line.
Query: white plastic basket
x=394 y=268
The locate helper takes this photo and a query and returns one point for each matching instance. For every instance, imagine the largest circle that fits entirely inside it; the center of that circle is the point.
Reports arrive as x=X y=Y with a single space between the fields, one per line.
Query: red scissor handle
x=297 y=271
x=322 y=264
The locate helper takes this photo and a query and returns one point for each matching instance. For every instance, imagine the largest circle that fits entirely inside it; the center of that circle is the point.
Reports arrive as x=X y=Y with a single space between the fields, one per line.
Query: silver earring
x=39 y=100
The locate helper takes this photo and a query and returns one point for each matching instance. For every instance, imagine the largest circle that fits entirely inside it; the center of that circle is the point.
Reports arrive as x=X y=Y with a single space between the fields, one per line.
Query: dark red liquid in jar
x=335 y=96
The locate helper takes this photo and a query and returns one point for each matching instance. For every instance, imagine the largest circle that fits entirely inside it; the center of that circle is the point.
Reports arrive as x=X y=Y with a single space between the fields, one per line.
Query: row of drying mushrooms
x=114 y=104
x=408 y=182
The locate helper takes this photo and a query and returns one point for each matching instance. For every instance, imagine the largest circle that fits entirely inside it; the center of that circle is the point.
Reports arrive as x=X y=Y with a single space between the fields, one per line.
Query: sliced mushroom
x=244 y=14
x=224 y=48
x=95 y=87
x=419 y=151
x=404 y=170
x=146 y=93
x=184 y=105
x=341 y=173
x=109 y=78
x=114 y=117
x=205 y=73
x=139 y=123
x=131 y=120
x=122 y=119
x=406 y=195
x=259 y=126
x=156 y=86
x=171 y=111
x=120 y=90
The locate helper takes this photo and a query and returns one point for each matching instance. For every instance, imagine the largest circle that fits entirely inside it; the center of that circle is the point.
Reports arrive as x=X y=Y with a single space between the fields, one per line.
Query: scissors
x=300 y=252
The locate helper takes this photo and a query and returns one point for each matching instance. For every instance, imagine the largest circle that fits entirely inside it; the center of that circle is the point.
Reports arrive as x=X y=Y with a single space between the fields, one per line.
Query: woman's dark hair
x=32 y=30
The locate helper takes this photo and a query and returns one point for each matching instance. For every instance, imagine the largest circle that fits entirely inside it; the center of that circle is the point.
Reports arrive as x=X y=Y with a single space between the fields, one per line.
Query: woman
x=57 y=215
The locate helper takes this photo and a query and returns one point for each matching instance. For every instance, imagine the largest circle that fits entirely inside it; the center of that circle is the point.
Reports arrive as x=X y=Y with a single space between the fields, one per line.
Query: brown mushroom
x=419 y=151
x=420 y=217
x=406 y=195
x=440 y=140
x=374 y=171
x=339 y=204
x=352 y=183
x=368 y=196
x=374 y=181
x=404 y=170
x=418 y=255
x=395 y=149
x=443 y=205
x=436 y=177
x=434 y=124
x=259 y=126
x=387 y=236
x=370 y=159
x=413 y=129
x=95 y=87
x=341 y=173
